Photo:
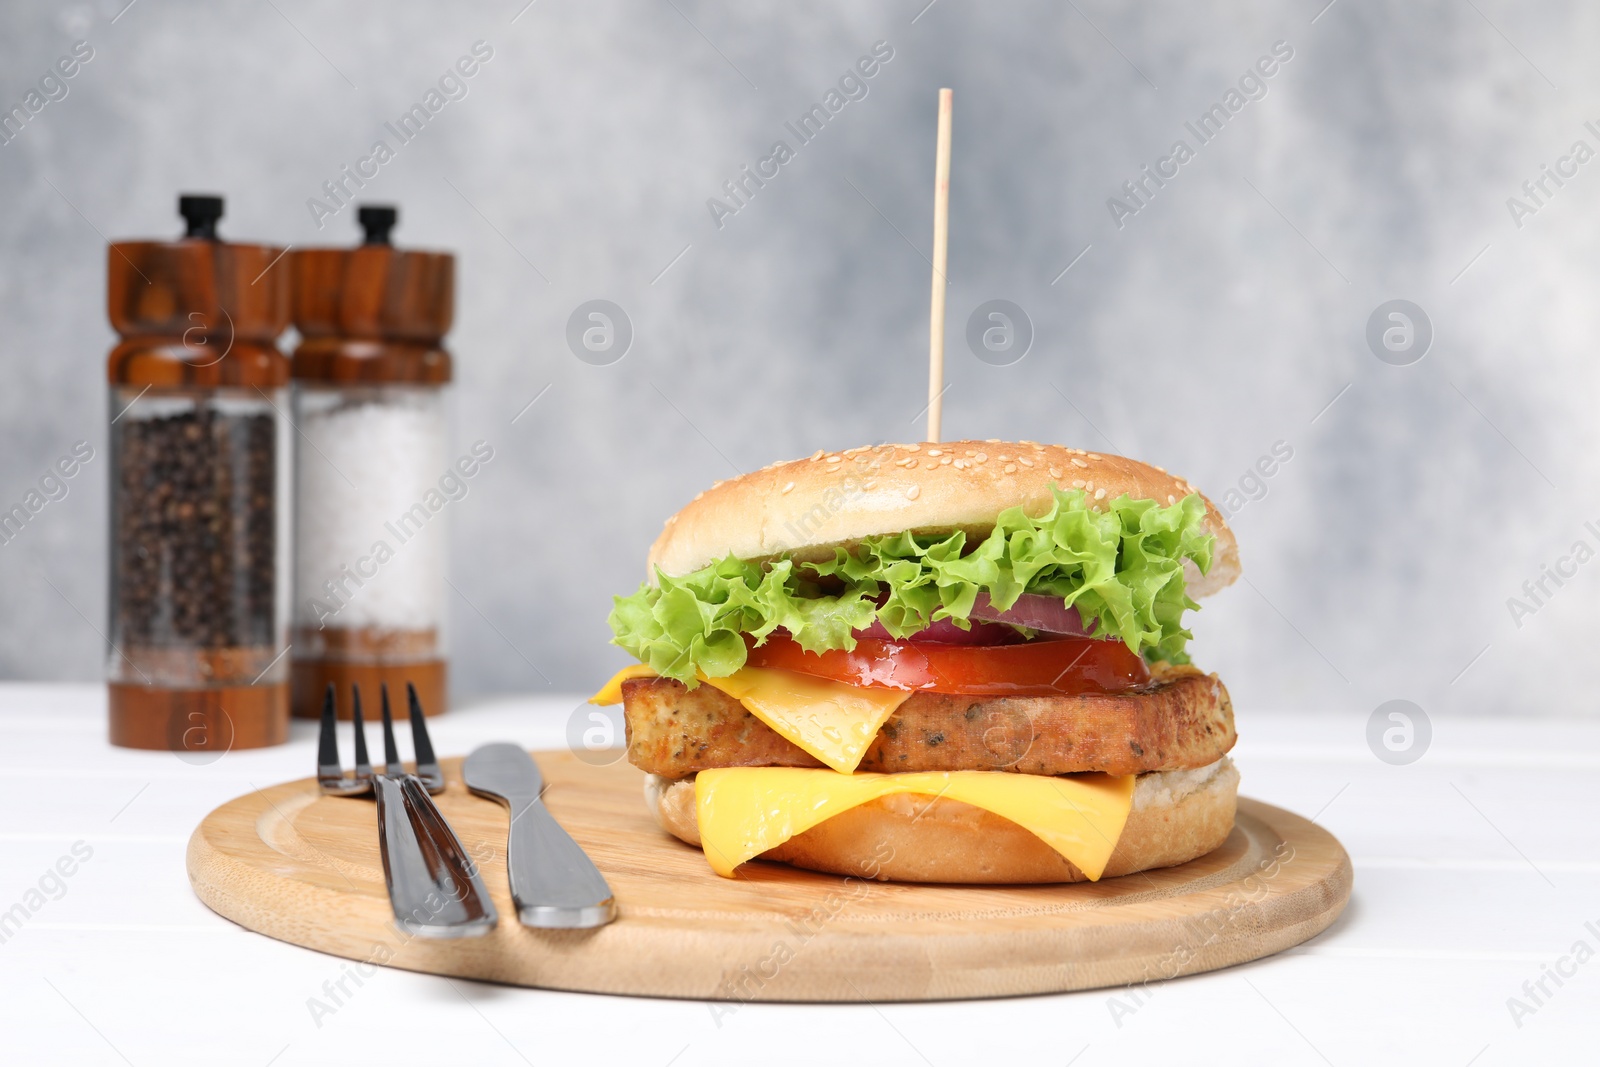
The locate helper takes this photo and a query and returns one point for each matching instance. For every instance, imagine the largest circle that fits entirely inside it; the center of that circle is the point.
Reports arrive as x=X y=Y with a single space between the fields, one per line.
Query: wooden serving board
x=304 y=868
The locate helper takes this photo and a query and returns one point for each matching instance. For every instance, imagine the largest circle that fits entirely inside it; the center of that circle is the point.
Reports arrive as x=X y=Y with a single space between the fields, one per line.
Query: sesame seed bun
x=809 y=507
x=1177 y=816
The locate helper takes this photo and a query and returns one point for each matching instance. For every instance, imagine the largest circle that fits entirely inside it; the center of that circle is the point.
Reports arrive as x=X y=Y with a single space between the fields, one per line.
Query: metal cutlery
x=330 y=772
x=434 y=885
x=422 y=748
x=553 y=881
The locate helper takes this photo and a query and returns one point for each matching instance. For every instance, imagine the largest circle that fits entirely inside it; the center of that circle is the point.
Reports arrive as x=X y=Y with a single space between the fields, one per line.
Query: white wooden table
x=1477 y=870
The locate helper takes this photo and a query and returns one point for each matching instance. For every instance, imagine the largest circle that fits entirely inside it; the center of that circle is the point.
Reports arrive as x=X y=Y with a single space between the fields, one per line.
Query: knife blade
x=554 y=883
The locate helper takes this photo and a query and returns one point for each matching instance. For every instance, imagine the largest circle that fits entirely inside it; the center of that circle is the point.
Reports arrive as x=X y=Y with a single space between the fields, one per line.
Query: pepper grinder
x=199 y=491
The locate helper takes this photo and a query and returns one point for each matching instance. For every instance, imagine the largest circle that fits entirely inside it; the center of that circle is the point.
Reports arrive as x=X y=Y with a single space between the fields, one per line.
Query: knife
x=554 y=883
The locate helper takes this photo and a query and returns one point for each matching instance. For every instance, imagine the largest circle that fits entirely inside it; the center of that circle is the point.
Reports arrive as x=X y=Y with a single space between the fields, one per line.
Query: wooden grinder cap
x=197 y=311
x=373 y=313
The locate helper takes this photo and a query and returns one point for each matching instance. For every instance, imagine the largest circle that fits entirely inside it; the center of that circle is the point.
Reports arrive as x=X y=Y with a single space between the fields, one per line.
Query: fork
x=427 y=766
x=434 y=885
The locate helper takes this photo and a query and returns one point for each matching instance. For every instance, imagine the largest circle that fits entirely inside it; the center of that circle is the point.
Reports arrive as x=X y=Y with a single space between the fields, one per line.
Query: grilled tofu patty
x=1185 y=720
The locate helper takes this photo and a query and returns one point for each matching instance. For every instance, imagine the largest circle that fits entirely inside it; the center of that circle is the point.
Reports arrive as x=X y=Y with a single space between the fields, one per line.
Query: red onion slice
x=1036 y=611
x=946 y=632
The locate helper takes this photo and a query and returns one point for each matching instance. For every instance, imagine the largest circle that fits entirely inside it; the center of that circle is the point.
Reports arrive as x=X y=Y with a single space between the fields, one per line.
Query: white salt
x=368 y=465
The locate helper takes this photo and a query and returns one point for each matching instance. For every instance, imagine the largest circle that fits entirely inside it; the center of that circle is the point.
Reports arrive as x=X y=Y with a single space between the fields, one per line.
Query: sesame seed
x=1089 y=484
x=1100 y=494
x=868 y=484
x=961 y=464
x=1095 y=455
x=1010 y=468
x=834 y=470
x=1005 y=459
x=932 y=463
x=833 y=459
x=816 y=455
x=1077 y=483
x=1025 y=461
x=1171 y=499
x=1076 y=462
x=787 y=487
x=913 y=448
x=943 y=460
x=913 y=492
x=983 y=457
x=1054 y=473
x=935 y=452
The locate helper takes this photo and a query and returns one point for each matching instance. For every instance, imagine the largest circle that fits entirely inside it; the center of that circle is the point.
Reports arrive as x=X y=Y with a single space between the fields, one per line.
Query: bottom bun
x=1176 y=817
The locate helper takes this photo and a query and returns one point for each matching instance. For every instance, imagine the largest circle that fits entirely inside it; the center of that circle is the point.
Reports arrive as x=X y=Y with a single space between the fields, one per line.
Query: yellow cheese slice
x=833 y=721
x=611 y=692
x=744 y=811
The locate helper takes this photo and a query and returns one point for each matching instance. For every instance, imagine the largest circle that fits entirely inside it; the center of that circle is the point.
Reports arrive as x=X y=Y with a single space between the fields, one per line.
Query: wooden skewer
x=941 y=256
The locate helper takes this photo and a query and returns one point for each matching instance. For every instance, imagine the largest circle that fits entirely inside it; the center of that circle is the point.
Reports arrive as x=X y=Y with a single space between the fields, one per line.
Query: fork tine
x=427 y=764
x=363 y=764
x=391 y=756
x=328 y=767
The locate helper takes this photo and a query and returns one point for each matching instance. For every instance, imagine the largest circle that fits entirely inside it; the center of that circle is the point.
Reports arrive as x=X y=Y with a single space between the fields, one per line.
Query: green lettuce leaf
x=1121 y=567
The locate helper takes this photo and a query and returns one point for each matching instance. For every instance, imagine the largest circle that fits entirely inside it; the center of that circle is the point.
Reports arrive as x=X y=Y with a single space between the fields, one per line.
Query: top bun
x=807 y=508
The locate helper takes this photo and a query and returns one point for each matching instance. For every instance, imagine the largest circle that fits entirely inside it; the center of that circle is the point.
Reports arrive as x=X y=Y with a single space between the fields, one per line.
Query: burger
x=952 y=662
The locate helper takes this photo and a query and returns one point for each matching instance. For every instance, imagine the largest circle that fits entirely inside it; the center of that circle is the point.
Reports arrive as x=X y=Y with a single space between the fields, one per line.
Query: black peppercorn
x=196 y=529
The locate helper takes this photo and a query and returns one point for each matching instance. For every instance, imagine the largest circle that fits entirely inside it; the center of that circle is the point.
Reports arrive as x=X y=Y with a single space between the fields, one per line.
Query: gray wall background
x=1224 y=317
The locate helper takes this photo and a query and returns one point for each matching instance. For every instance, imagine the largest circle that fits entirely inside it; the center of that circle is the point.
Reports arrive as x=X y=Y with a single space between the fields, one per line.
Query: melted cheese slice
x=833 y=721
x=744 y=811
x=611 y=692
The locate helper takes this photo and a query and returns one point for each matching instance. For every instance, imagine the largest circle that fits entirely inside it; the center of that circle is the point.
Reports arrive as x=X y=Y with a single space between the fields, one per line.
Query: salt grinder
x=373 y=474
x=199 y=491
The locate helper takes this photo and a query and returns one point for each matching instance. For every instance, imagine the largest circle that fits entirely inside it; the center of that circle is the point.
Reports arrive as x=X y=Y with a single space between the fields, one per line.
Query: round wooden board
x=304 y=868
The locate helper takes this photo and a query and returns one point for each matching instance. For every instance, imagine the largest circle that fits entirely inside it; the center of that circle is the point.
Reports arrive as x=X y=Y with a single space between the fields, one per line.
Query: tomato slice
x=1067 y=665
